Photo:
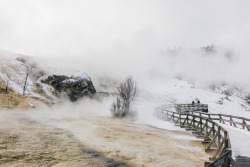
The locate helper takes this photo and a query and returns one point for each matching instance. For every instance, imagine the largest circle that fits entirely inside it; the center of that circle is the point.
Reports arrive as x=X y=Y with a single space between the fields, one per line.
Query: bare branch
x=7 y=84
x=127 y=93
x=26 y=84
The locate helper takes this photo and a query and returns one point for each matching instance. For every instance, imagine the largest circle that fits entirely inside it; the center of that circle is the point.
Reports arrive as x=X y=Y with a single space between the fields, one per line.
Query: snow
x=179 y=92
x=239 y=139
x=163 y=92
x=70 y=80
x=15 y=71
x=79 y=75
x=17 y=88
x=31 y=105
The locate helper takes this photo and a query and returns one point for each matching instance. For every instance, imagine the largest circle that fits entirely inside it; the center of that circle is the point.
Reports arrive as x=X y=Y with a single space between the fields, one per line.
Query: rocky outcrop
x=75 y=87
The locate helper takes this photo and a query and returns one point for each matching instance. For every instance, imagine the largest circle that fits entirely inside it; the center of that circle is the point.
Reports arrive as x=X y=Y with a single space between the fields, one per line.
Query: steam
x=152 y=40
x=116 y=38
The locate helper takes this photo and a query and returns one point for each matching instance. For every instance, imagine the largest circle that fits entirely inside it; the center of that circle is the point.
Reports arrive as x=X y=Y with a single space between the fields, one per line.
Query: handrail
x=222 y=118
x=231 y=119
x=214 y=135
x=192 y=107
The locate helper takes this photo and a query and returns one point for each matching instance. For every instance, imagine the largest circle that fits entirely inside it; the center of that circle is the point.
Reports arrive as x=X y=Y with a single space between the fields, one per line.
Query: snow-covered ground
x=183 y=92
x=239 y=139
x=159 y=92
x=14 y=71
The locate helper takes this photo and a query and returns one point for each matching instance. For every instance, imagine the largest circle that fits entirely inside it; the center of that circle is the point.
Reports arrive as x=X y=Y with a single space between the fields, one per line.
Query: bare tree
x=26 y=84
x=117 y=109
x=7 y=84
x=127 y=93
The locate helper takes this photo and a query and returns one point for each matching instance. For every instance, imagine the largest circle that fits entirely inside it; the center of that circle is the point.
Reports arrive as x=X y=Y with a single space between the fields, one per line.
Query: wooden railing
x=188 y=107
x=191 y=107
x=215 y=137
x=236 y=121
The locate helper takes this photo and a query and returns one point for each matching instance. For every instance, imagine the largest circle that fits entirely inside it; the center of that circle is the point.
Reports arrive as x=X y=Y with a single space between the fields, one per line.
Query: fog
x=160 y=38
x=153 y=40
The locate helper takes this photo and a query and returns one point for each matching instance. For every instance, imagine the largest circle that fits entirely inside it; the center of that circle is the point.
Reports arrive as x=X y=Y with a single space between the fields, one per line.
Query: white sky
x=104 y=31
x=55 y=26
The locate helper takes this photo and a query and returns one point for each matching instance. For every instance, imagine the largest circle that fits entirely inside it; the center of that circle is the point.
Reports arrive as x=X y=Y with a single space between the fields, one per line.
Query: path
x=240 y=139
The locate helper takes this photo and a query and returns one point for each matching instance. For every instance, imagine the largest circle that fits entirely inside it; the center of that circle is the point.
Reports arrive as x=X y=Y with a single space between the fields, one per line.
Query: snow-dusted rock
x=80 y=75
x=75 y=87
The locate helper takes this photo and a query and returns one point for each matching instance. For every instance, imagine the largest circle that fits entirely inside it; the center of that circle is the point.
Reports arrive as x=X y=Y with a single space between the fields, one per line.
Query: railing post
x=194 y=121
x=180 y=118
x=231 y=119
x=213 y=129
x=200 y=122
x=219 y=135
x=206 y=126
x=220 y=118
x=226 y=140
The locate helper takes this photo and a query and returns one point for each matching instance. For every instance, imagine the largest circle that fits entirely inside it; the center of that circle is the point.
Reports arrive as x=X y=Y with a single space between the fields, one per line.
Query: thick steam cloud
x=117 y=38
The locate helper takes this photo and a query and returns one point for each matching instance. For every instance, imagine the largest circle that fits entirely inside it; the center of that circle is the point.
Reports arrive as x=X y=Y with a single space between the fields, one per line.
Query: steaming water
x=133 y=143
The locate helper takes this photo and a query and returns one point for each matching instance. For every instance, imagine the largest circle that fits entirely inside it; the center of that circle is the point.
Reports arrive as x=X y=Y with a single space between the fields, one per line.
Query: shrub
x=127 y=93
x=227 y=92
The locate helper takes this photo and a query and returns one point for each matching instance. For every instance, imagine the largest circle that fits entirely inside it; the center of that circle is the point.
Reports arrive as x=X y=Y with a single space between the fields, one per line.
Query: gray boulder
x=76 y=86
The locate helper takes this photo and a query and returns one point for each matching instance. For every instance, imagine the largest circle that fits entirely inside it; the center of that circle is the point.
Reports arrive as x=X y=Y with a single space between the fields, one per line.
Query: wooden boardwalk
x=241 y=161
x=206 y=126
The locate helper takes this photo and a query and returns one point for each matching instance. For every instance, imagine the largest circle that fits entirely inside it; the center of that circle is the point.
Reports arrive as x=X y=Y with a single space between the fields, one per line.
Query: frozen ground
x=179 y=91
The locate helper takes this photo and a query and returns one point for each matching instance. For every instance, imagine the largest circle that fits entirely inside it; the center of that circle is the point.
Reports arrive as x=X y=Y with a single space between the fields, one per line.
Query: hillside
x=176 y=91
x=13 y=71
x=87 y=119
x=24 y=84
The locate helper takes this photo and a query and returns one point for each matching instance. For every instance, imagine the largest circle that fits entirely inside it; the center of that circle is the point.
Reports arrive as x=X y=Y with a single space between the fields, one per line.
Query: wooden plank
x=222 y=160
x=234 y=122
x=220 y=150
x=212 y=142
x=178 y=120
x=186 y=119
x=203 y=128
x=200 y=136
x=208 y=134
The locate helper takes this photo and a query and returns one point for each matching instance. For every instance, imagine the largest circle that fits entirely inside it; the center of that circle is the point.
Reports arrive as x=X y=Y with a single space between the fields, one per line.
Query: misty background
x=160 y=38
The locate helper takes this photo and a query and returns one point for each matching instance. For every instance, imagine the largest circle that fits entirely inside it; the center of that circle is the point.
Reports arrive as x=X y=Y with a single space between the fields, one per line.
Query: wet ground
x=92 y=141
